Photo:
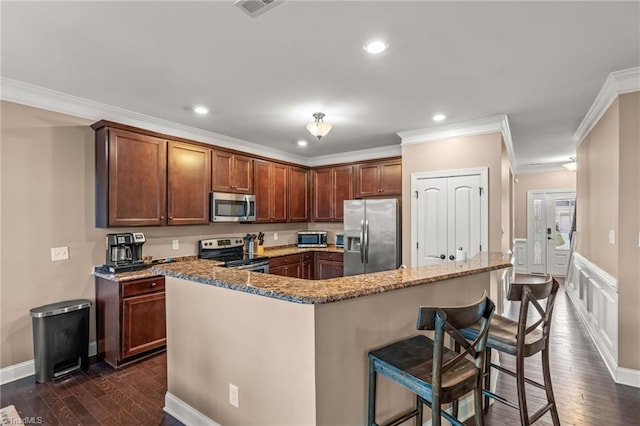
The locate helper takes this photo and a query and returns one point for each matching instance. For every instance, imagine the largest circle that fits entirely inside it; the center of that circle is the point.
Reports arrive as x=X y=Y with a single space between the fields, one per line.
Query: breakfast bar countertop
x=331 y=290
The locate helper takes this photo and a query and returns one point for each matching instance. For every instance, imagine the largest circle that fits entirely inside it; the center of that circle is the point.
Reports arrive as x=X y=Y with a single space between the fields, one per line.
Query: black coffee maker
x=124 y=252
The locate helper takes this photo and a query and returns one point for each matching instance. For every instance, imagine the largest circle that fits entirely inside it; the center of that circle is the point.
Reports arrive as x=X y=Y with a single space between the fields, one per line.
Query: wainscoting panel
x=520 y=256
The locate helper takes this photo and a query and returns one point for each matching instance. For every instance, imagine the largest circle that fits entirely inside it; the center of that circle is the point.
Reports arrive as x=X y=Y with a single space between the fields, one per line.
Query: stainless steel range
x=230 y=250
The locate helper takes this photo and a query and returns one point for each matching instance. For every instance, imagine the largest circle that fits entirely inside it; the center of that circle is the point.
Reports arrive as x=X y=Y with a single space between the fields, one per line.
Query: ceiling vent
x=255 y=8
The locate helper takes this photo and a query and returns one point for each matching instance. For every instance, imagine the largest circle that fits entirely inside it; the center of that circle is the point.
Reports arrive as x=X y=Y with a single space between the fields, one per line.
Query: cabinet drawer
x=274 y=262
x=146 y=285
x=307 y=256
x=337 y=257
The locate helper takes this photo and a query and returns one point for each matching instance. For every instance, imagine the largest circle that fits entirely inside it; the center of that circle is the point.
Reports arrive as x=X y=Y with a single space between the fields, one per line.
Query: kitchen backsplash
x=159 y=242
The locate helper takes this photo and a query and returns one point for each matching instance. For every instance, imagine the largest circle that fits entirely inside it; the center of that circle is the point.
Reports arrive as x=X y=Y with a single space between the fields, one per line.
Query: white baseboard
x=627 y=376
x=25 y=369
x=184 y=412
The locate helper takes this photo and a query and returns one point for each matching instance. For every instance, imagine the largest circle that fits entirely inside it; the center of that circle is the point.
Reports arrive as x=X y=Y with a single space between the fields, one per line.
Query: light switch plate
x=233 y=395
x=612 y=236
x=59 y=253
x=176 y=244
x=275 y=236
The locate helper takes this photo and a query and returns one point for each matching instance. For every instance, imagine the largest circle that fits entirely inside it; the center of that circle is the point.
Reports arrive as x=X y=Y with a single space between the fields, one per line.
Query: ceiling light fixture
x=571 y=166
x=202 y=110
x=319 y=128
x=302 y=143
x=376 y=46
x=439 y=117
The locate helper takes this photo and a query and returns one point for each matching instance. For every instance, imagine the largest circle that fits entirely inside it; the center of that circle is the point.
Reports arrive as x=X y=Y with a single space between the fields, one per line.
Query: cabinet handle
x=170 y=217
x=153 y=284
x=161 y=217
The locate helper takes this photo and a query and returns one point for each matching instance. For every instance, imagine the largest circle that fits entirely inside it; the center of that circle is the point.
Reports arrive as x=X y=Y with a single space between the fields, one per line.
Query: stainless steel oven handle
x=248 y=204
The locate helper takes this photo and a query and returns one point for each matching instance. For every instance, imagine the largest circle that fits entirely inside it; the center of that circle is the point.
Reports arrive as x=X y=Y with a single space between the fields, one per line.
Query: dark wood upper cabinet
x=188 y=184
x=299 y=194
x=231 y=173
x=331 y=186
x=379 y=178
x=271 y=191
x=130 y=178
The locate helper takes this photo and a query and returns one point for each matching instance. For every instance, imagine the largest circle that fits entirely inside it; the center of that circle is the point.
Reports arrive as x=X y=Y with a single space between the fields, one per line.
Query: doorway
x=549 y=221
x=449 y=211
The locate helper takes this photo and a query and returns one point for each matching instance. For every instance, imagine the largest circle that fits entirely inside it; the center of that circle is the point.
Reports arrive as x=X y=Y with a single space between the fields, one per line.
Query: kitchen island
x=297 y=349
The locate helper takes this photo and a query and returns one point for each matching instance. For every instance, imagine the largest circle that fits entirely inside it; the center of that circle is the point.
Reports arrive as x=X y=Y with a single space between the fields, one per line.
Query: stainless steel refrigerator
x=371 y=236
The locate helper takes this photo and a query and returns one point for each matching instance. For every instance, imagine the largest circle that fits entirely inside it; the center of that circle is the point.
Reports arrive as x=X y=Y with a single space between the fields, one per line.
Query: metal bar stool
x=435 y=374
x=522 y=341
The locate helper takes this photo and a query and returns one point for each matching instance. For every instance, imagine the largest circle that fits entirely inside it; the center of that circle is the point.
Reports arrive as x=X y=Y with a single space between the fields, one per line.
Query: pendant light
x=319 y=128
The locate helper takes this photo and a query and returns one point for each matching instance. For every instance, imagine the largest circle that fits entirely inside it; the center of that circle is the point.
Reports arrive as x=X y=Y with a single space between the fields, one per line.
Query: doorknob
x=443 y=257
x=452 y=257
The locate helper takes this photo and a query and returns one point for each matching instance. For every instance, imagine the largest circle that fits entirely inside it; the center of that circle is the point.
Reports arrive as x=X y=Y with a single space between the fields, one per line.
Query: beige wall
x=506 y=199
x=608 y=193
x=629 y=232
x=597 y=192
x=47 y=178
x=456 y=153
x=536 y=181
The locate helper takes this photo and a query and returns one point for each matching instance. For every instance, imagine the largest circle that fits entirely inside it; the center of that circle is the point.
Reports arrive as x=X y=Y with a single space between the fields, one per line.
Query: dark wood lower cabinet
x=130 y=319
x=329 y=265
x=309 y=265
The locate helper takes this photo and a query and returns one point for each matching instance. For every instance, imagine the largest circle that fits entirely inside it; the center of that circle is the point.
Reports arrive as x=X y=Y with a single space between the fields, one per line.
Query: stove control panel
x=221 y=243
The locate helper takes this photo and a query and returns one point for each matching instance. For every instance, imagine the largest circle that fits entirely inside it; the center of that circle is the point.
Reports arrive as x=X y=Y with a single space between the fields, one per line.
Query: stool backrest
x=448 y=321
x=529 y=294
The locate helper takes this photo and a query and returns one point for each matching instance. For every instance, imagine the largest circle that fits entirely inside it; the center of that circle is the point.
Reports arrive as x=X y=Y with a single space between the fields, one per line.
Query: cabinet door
x=367 y=180
x=343 y=190
x=329 y=269
x=188 y=184
x=391 y=177
x=222 y=171
x=137 y=179
x=308 y=270
x=261 y=171
x=292 y=271
x=298 y=195
x=323 y=195
x=279 y=192
x=143 y=323
x=242 y=174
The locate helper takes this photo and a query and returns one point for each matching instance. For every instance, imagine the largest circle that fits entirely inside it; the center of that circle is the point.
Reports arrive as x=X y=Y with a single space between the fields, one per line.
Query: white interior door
x=549 y=225
x=448 y=217
x=432 y=220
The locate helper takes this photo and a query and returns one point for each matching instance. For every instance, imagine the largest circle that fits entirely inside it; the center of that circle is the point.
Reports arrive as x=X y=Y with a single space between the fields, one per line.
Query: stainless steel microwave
x=312 y=238
x=226 y=207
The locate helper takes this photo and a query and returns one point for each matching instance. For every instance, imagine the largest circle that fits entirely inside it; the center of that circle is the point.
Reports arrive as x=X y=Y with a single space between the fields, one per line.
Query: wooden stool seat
x=433 y=373
x=522 y=340
x=504 y=337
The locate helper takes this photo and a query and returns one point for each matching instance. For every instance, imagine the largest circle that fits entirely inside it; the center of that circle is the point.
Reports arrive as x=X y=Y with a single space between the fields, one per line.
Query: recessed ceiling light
x=376 y=46
x=302 y=143
x=439 y=117
x=202 y=110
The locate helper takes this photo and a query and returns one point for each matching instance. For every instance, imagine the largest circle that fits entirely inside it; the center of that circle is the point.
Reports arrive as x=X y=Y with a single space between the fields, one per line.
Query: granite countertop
x=145 y=273
x=331 y=290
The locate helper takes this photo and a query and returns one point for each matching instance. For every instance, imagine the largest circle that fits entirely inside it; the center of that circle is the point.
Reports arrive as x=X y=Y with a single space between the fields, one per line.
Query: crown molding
x=355 y=156
x=617 y=83
x=52 y=100
x=481 y=126
x=541 y=168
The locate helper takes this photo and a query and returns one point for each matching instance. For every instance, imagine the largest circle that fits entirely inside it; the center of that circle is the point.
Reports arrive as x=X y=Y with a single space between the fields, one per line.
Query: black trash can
x=60 y=338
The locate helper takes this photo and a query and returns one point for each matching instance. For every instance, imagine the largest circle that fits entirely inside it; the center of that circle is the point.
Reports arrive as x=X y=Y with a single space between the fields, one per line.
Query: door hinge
x=417 y=245
x=480 y=247
x=481 y=190
x=416 y=194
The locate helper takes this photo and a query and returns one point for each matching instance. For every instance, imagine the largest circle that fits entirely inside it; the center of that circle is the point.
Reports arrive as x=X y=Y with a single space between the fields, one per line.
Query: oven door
x=232 y=207
x=262 y=267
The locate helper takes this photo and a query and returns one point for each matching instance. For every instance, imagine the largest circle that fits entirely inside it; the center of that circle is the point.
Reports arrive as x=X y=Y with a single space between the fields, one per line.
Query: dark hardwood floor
x=132 y=395
x=584 y=390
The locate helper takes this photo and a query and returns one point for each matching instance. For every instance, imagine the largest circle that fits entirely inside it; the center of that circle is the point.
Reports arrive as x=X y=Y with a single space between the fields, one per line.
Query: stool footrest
x=401 y=418
x=500 y=399
x=512 y=374
x=540 y=413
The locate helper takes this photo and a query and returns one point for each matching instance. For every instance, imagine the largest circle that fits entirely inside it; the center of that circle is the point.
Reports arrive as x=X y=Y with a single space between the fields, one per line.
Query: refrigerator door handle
x=362 y=241
x=366 y=246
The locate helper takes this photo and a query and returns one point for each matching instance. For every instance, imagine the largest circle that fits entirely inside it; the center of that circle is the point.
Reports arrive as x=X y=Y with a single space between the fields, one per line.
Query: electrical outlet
x=275 y=236
x=233 y=395
x=59 y=253
x=176 y=244
x=612 y=236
